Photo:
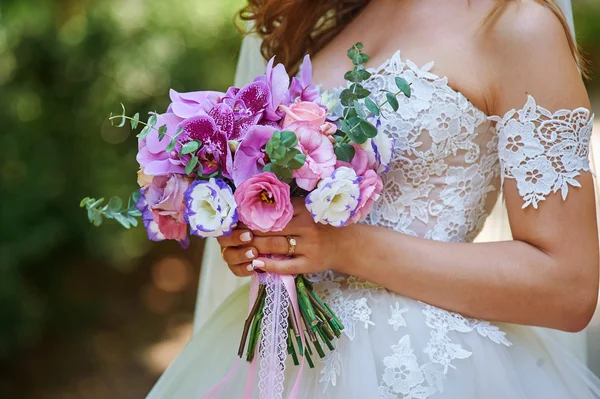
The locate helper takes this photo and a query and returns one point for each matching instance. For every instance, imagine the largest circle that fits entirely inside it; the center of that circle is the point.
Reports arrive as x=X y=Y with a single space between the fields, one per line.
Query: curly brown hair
x=290 y=37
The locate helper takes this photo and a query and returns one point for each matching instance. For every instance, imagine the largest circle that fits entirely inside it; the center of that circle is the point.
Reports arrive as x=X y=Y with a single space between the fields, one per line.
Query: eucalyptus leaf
x=368 y=129
x=114 y=204
x=347 y=97
x=145 y=132
x=297 y=161
x=372 y=107
x=403 y=86
x=189 y=147
x=345 y=152
x=179 y=131
x=360 y=91
x=392 y=101
x=122 y=219
x=122 y=117
x=153 y=119
x=171 y=145
x=359 y=109
x=191 y=165
x=162 y=131
x=135 y=120
x=289 y=138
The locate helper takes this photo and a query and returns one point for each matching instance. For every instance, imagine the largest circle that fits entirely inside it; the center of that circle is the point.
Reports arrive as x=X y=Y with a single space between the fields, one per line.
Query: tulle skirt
x=392 y=347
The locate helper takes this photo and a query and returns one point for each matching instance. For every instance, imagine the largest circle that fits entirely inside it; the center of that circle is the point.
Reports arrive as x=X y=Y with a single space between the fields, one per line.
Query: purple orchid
x=302 y=87
x=248 y=105
x=278 y=82
x=250 y=157
x=196 y=103
x=151 y=151
x=214 y=152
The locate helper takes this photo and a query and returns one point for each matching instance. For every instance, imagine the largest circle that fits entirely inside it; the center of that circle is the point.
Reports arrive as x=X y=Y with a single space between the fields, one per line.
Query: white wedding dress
x=446 y=171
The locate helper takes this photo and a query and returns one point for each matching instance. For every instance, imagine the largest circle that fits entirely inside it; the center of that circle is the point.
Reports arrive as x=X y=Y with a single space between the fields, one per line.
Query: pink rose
x=264 y=203
x=162 y=206
x=328 y=129
x=360 y=162
x=320 y=157
x=303 y=111
x=370 y=189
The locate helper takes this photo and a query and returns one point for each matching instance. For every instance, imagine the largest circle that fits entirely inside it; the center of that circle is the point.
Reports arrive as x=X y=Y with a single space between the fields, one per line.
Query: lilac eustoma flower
x=196 y=103
x=151 y=151
x=250 y=157
x=248 y=105
x=210 y=208
x=278 y=82
x=302 y=87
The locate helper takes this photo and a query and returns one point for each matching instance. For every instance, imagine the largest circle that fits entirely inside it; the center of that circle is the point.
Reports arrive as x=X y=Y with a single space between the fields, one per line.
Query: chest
x=445 y=32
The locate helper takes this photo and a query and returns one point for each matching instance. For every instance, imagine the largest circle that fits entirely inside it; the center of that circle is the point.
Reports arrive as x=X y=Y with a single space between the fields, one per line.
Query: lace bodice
x=449 y=156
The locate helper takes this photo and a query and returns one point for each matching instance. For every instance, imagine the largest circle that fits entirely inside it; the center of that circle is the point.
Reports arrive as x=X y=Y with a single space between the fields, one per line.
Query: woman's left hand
x=317 y=245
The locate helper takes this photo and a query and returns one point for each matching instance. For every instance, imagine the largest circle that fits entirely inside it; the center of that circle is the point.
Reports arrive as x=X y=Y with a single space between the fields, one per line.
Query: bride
x=503 y=104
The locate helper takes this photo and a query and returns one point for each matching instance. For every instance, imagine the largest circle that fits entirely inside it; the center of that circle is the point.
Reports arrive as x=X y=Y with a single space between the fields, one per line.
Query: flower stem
x=248 y=323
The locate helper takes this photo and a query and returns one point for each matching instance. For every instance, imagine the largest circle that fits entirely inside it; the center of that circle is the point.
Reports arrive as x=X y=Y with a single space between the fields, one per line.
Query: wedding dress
x=446 y=171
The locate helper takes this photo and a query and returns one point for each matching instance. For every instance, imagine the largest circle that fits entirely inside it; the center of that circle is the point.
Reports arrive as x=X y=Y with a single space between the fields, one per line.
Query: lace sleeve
x=543 y=151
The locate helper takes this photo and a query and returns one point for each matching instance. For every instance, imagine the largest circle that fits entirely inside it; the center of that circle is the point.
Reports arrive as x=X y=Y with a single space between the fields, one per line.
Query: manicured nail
x=256 y=263
x=249 y=254
x=250 y=268
x=246 y=237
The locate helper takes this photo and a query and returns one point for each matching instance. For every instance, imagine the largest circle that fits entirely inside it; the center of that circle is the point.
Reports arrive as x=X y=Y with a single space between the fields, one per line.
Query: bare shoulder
x=528 y=53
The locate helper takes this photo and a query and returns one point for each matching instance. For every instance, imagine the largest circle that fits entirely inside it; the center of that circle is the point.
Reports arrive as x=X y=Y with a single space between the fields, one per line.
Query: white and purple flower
x=210 y=208
x=336 y=198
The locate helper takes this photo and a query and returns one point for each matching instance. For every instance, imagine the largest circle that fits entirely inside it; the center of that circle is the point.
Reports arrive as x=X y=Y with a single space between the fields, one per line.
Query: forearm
x=508 y=281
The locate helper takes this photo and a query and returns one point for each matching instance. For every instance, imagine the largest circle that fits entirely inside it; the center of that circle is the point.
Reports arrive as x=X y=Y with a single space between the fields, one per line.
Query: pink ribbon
x=290 y=287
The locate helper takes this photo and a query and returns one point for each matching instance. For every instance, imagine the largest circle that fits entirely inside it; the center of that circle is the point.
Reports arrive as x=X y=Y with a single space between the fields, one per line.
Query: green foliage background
x=64 y=66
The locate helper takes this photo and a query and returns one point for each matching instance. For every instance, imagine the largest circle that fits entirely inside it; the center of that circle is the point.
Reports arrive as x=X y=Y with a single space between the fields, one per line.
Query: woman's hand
x=317 y=245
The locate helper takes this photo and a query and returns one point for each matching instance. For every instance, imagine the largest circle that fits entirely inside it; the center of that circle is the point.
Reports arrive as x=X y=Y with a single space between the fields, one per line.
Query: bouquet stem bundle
x=319 y=325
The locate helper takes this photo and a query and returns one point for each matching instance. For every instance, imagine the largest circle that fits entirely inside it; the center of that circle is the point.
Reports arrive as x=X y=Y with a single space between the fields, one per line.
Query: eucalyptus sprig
x=359 y=107
x=283 y=155
x=187 y=148
x=127 y=217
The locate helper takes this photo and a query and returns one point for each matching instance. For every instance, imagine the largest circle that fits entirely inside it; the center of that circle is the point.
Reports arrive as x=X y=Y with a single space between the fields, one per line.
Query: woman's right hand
x=242 y=246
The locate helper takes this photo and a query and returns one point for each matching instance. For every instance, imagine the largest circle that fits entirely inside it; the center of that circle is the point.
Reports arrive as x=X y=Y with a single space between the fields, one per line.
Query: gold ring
x=223 y=253
x=291 y=245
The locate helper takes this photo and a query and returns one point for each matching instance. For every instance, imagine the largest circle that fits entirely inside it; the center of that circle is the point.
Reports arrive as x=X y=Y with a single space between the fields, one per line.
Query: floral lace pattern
x=448 y=163
x=543 y=151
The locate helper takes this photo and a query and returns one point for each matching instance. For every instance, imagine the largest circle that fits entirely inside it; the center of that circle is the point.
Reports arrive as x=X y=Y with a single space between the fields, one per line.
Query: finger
x=271 y=245
x=286 y=266
x=237 y=255
x=243 y=270
x=237 y=238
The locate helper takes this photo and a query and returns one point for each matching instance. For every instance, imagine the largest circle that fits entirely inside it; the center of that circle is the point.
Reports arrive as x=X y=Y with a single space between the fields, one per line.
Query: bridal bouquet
x=214 y=160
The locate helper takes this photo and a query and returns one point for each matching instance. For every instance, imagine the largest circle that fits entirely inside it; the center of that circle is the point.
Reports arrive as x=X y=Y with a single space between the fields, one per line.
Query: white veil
x=217 y=282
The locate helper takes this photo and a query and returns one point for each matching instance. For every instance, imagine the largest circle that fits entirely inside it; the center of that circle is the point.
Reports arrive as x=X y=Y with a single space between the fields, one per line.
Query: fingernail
x=256 y=263
x=250 y=268
x=246 y=237
x=249 y=254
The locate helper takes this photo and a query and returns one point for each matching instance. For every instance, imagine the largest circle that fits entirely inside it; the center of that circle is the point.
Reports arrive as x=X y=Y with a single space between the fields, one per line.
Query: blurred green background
x=98 y=313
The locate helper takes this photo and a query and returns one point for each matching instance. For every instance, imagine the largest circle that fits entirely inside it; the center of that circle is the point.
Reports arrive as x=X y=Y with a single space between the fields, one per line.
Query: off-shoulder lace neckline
x=407 y=62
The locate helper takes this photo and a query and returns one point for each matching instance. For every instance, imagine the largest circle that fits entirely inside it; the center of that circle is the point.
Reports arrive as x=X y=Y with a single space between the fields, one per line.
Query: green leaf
x=368 y=129
x=392 y=101
x=363 y=74
x=189 y=147
x=135 y=120
x=191 y=165
x=171 y=145
x=97 y=219
x=135 y=196
x=114 y=204
x=359 y=45
x=162 y=131
x=403 y=86
x=364 y=58
x=283 y=173
x=289 y=139
x=351 y=53
x=84 y=201
x=297 y=161
x=347 y=97
x=132 y=220
x=372 y=107
x=145 y=132
x=122 y=219
x=96 y=203
x=344 y=152
x=357 y=59
x=360 y=91
x=179 y=131
x=359 y=109
x=122 y=116
x=355 y=132
x=153 y=119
